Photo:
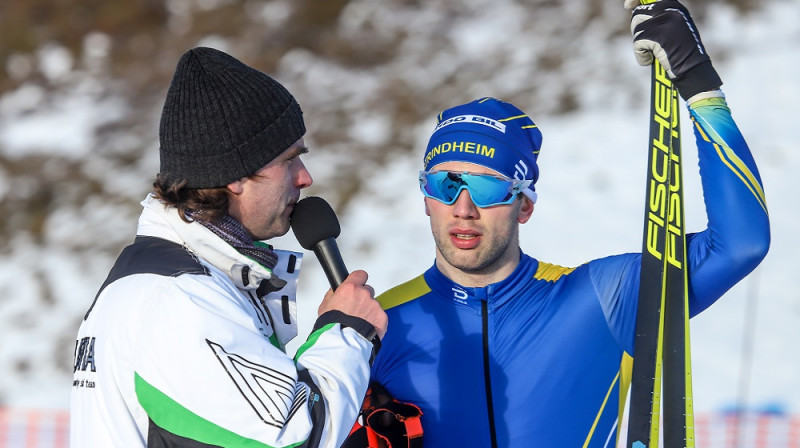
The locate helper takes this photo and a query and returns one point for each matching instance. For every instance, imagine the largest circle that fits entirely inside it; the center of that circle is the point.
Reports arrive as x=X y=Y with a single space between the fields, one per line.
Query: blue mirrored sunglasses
x=485 y=190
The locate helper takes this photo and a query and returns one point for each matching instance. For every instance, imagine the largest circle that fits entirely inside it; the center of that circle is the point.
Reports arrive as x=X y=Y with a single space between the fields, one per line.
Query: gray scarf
x=232 y=232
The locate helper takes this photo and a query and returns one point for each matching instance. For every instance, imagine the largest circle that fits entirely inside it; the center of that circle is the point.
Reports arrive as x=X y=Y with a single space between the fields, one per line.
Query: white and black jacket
x=178 y=349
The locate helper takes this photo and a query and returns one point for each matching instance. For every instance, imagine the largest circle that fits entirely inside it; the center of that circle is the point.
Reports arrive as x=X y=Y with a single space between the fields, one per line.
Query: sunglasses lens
x=443 y=186
x=485 y=190
x=489 y=190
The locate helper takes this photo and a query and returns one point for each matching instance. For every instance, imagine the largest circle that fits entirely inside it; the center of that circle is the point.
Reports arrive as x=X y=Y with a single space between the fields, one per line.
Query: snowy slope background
x=745 y=347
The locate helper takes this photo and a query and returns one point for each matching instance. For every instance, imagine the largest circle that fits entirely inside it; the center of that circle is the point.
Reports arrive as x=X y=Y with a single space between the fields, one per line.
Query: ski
x=677 y=409
x=645 y=399
x=661 y=377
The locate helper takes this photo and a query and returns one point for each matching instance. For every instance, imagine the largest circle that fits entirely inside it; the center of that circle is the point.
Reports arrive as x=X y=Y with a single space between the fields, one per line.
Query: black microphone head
x=313 y=220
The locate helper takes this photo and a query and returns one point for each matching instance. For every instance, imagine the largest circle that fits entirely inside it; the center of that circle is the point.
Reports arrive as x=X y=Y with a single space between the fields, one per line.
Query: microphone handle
x=327 y=252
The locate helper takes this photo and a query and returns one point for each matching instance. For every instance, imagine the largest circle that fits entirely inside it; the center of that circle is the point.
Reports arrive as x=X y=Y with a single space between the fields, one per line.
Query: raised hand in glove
x=666 y=31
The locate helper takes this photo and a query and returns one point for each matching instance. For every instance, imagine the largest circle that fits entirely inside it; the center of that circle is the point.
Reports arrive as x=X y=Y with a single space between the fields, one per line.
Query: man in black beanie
x=184 y=344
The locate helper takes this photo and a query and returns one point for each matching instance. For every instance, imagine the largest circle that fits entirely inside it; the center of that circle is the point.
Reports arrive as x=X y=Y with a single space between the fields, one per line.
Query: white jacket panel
x=197 y=354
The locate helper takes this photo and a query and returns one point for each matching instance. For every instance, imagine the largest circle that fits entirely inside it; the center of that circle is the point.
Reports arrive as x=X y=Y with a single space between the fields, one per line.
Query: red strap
x=378 y=411
x=413 y=426
x=365 y=437
x=372 y=438
x=356 y=427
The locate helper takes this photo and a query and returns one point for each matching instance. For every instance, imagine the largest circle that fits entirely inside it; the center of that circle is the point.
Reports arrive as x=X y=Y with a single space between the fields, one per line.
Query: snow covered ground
x=591 y=199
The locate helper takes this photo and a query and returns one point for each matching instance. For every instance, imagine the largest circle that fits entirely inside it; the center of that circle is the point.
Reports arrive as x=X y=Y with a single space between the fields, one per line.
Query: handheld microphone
x=316 y=227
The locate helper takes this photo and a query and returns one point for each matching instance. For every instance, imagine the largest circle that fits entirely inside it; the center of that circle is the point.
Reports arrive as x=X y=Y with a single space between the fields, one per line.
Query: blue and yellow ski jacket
x=543 y=358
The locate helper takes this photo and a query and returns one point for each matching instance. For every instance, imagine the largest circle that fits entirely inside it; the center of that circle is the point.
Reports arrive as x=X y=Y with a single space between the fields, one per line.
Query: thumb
x=358 y=277
x=630 y=4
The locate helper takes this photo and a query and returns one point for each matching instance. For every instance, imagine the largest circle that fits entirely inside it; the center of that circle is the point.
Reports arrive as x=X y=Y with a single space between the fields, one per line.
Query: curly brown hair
x=193 y=204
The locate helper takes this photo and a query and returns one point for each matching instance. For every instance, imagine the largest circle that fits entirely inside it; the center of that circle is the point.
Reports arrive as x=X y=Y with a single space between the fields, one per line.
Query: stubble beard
x=473 y=261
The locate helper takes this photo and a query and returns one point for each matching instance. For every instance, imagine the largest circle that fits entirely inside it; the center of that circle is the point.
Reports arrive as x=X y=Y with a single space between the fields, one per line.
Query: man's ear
x=525 y=210
x=235 y=187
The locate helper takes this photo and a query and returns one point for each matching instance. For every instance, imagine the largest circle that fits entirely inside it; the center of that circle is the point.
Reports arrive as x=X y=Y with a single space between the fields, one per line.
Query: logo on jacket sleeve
x=84 y=355
x=273 y=395
x=82 y=362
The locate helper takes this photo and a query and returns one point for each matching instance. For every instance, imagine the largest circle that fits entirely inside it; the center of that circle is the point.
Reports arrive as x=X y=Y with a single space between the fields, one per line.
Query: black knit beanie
x=223 y=120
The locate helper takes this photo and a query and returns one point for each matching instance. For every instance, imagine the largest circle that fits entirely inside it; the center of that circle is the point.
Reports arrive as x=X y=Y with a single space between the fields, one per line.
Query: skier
x=498 y=348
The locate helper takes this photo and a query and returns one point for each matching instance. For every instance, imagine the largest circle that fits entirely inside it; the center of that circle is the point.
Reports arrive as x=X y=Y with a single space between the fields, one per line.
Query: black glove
x=665 y=29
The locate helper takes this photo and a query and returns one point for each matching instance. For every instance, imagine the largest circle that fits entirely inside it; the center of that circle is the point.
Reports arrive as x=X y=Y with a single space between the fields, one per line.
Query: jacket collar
x=163 y=221
x=496 y=294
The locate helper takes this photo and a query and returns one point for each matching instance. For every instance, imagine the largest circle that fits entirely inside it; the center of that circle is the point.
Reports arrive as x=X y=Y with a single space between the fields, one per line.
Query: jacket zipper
x=486 y=373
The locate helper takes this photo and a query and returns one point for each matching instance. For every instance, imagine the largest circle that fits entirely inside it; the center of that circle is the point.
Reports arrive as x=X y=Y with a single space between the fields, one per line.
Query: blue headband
x=487 y=132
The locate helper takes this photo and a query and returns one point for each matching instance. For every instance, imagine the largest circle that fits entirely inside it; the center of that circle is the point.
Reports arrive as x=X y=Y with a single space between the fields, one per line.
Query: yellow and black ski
x=677 y=413
x=661 y=377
